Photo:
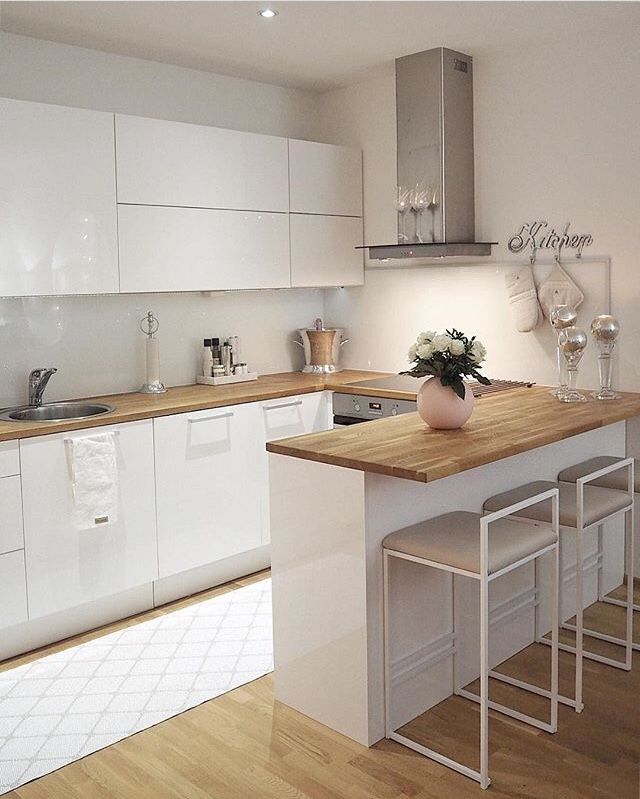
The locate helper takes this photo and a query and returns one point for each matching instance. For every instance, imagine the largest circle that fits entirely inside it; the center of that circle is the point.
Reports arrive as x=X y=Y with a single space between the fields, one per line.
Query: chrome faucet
x=38 y=380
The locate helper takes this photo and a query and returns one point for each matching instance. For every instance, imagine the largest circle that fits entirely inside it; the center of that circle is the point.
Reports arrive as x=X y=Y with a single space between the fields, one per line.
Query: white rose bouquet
x=449 y=356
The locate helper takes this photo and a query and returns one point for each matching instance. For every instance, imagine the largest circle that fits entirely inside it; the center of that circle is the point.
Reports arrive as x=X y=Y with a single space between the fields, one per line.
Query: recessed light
x=268 y=13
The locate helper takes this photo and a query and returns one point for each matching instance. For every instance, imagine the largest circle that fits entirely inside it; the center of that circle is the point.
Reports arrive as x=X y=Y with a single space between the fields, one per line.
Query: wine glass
x=420 y=201
x=402 y=204
x=605 y=331
x=433 y=204
x=572 y=341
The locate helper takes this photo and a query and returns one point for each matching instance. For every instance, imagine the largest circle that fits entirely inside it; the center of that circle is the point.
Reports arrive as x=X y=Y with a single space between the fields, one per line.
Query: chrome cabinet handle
x=281 y=405
x=211 y=418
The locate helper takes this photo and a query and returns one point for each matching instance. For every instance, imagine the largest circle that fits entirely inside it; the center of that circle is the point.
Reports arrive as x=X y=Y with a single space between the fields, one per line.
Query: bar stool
x=582 y=509
x=482 y=548
x=618 y=481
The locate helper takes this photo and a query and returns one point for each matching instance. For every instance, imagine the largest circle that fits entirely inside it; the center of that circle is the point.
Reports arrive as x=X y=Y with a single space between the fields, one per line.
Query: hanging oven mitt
x=523 y=299
x=559 y=289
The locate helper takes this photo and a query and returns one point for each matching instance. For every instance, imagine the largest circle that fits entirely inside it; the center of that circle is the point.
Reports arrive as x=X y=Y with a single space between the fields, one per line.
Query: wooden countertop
x=501 y=425
x=183 y=399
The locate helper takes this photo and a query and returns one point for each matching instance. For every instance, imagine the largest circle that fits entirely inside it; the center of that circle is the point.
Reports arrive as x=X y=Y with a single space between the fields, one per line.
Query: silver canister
x=321 y=349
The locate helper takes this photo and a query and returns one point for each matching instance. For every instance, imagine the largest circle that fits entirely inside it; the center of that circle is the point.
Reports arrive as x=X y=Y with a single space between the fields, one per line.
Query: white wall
x=555 y=138
x=94 y=341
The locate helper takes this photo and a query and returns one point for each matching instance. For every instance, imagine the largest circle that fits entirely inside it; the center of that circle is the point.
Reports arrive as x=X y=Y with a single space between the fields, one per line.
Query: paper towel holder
x=150 y=325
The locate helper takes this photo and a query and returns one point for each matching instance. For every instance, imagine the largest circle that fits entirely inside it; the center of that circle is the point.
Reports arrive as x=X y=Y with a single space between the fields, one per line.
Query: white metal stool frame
x=629 y=512
x=578 y=627
x=482 y=776
x=602 y=597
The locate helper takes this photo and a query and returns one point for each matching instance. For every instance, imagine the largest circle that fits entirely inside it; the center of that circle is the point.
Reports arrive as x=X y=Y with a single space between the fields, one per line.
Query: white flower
x=478 y=351
x=425 y=350
x=456 y=347
x=441 y=342
x=413 y=352
x=425 y=337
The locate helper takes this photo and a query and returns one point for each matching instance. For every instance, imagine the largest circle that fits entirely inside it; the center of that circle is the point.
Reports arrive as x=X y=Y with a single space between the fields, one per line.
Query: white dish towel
x=93 y=465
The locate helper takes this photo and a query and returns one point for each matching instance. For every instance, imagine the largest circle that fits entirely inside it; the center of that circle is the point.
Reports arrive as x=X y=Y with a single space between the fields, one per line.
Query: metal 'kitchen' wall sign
x=538 y=235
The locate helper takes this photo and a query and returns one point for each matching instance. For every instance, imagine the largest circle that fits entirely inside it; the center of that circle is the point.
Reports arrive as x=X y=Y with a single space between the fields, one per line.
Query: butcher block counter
x=501 y=425
x=185 y=399
x=334 y=496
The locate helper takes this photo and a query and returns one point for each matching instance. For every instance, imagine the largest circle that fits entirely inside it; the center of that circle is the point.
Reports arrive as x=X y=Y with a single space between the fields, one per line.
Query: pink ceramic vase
x=441 y=408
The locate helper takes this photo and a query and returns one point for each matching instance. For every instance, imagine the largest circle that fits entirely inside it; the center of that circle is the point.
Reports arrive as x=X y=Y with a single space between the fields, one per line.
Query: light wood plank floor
x=244 y=744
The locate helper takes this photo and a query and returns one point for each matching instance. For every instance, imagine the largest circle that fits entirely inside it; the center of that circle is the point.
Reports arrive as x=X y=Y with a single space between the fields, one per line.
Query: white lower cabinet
x=208 y=485
x=11 y=537
x=13 y=593
x=282 y=418
x=68 y=566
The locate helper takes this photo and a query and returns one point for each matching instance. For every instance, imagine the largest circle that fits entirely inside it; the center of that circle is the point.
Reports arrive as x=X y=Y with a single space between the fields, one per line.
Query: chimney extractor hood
x=434 y=106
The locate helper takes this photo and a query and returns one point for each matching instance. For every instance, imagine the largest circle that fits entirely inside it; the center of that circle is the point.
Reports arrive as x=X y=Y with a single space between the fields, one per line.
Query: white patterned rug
x=64 y=706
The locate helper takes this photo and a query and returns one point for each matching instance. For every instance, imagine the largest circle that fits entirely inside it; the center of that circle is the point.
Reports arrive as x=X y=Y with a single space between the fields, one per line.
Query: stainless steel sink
x=55 y=412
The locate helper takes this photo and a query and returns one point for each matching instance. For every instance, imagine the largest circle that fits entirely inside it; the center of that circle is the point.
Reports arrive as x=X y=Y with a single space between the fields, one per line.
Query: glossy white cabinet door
x=324 y=179
x=13 y=592
x=174 y=163
x=10 y=514
x=9 y=458
x=323 y=251
x=192 y=249
x=67 y=566
x=282 y=418
x=57 y=200
x=208 y=469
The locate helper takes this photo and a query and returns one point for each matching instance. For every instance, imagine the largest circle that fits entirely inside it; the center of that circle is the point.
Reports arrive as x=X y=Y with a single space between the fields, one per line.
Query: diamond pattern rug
x=64 y=706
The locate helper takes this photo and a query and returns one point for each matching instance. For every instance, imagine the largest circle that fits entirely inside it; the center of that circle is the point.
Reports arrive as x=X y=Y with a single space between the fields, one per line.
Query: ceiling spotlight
x=268 y=13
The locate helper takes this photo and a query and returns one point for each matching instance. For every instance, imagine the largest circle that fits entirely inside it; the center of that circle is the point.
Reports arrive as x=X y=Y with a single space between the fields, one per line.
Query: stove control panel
x=363 y=409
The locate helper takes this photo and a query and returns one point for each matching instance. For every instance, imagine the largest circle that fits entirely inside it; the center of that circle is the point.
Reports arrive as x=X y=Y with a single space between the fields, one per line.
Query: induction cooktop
x=412 y=384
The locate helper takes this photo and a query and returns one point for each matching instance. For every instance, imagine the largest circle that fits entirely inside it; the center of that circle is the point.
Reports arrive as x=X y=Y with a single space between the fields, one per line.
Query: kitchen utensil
x=605 y=330
x=572 y=342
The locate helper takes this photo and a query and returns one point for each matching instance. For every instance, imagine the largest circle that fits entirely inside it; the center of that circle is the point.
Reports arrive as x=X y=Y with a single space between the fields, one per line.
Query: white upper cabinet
x=174 y=163
x=197 y=249
x=324 y=179
x=323 y=251
x=57 y=200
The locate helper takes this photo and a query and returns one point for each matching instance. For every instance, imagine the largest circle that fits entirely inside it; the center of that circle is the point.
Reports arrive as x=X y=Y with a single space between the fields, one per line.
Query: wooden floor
x=243 y=745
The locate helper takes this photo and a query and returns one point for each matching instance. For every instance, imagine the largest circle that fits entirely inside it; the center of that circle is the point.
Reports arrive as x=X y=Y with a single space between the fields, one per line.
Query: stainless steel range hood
x=434 y=104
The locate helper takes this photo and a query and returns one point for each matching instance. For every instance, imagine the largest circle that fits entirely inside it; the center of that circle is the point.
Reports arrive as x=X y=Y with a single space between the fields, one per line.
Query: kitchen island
x=336 y=495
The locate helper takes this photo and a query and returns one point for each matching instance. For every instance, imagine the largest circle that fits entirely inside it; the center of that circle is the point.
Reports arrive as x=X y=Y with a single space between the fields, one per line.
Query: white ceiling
x=309 y=45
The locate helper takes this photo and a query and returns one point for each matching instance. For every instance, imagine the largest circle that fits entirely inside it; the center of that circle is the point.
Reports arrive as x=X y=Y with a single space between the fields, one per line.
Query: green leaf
x=459 y=387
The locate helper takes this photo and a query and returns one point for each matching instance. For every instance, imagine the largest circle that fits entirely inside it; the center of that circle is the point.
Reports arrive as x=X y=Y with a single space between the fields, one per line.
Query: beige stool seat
x=454 y=540
x=598 y=502
x=614 y=480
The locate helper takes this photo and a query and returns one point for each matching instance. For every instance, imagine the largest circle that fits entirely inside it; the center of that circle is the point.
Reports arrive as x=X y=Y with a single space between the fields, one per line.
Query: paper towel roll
x=153 y=361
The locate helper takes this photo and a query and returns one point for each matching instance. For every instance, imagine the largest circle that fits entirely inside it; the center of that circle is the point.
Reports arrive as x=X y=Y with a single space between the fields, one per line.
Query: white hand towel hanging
x=559 y=289
x=523 y=299
x=93 y=465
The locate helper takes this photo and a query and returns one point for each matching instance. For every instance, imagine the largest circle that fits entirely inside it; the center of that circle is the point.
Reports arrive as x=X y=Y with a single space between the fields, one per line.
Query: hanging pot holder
x=523 y=300
x=559 y=289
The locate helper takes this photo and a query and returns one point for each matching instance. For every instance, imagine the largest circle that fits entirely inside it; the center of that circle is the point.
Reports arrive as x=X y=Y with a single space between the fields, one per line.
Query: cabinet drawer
x=9 y=458
x=13 y=590
x=11 y=536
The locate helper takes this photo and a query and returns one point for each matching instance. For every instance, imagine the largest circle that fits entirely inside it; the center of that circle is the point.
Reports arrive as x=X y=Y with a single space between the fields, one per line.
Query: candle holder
x=561 y=316
x=605 y=331
x=572 y=341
